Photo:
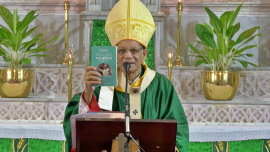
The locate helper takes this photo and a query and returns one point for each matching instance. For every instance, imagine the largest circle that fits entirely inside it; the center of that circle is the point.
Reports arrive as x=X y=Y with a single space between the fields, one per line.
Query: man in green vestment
x=151 y=95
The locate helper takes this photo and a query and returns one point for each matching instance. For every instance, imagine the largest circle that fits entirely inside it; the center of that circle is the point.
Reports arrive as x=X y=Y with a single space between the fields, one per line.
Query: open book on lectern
x=104 y=114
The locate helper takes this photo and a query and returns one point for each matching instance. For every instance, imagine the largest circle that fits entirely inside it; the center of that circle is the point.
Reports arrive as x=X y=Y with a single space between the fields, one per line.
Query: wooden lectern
x=96 y=135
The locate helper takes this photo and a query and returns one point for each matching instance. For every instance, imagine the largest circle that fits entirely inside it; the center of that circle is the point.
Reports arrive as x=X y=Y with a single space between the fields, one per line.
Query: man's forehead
x=128 y=43
x=129 y=47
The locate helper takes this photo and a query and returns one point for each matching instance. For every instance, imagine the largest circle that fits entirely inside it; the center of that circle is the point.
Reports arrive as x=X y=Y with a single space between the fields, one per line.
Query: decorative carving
x=97 y=5
x=94 y=2
x=32 y=111
x=152 y=2
x=153 y=5
x=210 y=113
x=227 y=113
x=54 y=82
x=253 y=85
x=93 y=5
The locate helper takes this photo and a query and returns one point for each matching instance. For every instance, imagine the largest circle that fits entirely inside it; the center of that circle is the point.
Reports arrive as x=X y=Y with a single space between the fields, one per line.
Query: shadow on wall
x=264 y=46
x=188 y=35
x=49 y=31
x=170 y=38
x=53 y=28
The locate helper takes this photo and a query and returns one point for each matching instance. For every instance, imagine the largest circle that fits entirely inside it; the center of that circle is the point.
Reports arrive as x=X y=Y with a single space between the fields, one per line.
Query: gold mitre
x=130 y=19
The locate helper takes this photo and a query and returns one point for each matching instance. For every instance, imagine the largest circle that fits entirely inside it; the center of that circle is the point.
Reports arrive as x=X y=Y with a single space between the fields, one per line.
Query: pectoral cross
x=135 y=91
x=135 y=112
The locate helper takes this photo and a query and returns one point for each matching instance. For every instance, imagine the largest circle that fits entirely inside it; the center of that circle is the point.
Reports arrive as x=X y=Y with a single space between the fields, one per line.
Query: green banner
x=200 y=147
x=5 y=145
x=246 y=146
x=39 y=145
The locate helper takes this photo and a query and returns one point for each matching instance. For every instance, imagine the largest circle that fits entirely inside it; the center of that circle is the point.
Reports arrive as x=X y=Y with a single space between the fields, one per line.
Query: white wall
x=253 y=13
x=51 y=22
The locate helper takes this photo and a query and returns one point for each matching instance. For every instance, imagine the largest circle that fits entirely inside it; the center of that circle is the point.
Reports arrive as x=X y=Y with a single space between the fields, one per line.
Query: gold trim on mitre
x=130 y=19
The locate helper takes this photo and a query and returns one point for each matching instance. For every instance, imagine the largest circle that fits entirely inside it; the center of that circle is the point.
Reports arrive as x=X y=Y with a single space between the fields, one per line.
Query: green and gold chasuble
x=158 y=101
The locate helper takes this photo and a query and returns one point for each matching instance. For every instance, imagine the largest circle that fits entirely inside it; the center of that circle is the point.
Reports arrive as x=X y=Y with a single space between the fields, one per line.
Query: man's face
x=130 y=51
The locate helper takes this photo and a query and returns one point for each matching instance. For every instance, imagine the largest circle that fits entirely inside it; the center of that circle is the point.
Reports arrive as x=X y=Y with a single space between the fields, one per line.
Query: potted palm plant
x=220 y=51
x=16 y=51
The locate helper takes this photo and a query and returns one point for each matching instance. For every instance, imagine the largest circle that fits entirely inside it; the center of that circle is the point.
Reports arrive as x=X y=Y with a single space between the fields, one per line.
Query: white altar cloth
x=209 y=132
x=198 y=132
x=35 y=131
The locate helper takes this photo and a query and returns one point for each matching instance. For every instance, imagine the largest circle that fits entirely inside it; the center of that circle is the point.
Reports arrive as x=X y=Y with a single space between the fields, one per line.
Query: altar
x=243 y=124
x=42 y=136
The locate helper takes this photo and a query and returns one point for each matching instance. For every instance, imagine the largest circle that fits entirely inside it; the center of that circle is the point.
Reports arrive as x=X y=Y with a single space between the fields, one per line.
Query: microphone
x=126 y=66
x=127 y=106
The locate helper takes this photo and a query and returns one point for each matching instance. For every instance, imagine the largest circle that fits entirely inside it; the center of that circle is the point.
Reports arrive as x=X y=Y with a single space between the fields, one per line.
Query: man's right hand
x=91 y=77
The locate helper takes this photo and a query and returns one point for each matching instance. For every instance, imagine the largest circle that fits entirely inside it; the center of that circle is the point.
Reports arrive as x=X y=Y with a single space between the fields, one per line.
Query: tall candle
x=170 y=56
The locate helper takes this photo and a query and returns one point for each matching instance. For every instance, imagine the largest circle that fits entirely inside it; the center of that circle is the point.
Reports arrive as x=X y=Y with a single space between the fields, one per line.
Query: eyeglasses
x=132 y=51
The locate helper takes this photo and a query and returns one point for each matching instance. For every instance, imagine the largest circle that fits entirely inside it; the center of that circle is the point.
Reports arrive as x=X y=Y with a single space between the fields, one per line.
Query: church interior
x=238 y=123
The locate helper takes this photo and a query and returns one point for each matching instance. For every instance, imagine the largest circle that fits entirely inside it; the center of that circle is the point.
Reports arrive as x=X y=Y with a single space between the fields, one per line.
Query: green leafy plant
x=13 y=47
x=223 y=52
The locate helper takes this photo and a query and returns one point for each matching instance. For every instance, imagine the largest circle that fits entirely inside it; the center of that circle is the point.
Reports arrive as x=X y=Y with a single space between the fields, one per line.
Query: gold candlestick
x=170 y=57
x=70 y=63
x=170 y=65
x=179 y=61
x=70 y=67
x=68 y=59
x=66 y=8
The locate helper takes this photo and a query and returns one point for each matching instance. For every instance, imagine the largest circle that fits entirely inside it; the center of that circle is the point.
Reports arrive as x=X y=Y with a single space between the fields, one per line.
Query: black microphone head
x=126 y=66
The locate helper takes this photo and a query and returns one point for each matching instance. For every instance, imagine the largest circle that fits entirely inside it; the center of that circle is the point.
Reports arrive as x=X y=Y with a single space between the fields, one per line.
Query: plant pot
x=16 y=83
x=219 y=85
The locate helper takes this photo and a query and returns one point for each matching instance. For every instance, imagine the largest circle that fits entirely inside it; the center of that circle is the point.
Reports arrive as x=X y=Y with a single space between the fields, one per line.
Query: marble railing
x=48 y=99
x=250 y=105
x=254 y=84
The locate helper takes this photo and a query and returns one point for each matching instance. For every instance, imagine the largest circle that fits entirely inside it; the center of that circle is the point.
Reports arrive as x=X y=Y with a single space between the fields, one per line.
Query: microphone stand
x=127 y=116
x=127 y=111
